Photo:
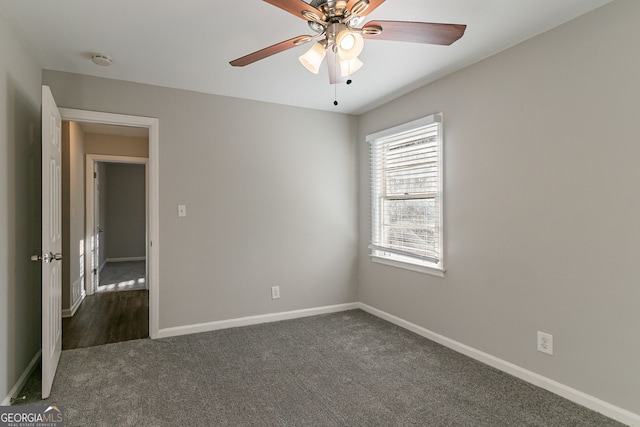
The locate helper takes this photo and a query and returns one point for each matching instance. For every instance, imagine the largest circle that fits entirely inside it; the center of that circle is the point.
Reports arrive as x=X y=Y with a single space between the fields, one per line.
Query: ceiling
x=187 y=44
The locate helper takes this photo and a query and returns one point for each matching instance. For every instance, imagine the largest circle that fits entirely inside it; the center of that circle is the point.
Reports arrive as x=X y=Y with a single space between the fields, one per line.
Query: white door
x=51 y=240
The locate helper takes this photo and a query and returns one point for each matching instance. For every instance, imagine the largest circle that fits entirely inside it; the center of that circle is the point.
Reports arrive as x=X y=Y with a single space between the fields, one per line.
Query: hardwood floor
x=107 y=317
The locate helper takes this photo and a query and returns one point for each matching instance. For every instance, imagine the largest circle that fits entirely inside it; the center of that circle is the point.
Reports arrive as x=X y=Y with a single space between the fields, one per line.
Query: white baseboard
x=22 y=380
x=588 y=401
x=69 y=312
x=126 y=259
x=253 y=320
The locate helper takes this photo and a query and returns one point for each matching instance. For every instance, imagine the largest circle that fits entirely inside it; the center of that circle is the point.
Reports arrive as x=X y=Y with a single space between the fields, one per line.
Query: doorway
x=120 y=223
x=116 y=197
x=151 y=279
x=109 y=194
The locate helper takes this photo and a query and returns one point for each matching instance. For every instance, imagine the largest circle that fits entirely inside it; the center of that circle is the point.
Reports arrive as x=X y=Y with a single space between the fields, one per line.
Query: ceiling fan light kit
x=336 y=24
x=344 y=42
x=314 y=57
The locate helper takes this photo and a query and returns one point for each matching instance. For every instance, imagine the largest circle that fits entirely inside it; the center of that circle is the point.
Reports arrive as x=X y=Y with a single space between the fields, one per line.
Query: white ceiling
x=187 y=44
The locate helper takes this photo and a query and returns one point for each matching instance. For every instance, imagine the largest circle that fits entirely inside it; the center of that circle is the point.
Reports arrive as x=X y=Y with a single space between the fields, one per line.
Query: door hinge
x=95 y=175
x=95 y=271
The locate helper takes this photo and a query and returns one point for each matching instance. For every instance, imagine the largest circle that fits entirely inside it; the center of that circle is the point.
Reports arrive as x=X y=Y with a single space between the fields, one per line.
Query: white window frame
x=404 y=261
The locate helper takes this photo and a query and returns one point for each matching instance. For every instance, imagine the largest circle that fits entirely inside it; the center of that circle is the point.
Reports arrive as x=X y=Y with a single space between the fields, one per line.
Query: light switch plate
x=182 y=210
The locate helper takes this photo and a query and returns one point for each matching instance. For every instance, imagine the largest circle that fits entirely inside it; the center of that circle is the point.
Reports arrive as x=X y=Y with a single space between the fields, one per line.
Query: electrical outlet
x=275 y=292
x=545 y=343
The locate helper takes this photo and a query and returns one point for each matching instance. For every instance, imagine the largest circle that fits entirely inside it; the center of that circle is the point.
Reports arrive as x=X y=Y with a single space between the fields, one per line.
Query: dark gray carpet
x=343 y=369
x=122 y=276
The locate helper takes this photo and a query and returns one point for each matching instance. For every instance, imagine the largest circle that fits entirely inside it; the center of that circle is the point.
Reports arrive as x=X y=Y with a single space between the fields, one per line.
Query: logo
x=31 y=416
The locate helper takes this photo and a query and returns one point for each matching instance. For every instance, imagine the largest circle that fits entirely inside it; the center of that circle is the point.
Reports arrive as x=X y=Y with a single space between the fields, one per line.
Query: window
x=406 y=195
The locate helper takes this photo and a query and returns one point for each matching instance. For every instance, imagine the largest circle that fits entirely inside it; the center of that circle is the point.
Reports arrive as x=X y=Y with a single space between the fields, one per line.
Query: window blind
x=405 y=191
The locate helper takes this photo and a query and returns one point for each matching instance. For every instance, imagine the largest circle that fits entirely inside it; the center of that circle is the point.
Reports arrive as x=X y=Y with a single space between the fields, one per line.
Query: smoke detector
x=100 y=59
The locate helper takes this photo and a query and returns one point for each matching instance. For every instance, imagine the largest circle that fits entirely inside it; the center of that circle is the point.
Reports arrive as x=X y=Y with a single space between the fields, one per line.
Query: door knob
x=46 y=258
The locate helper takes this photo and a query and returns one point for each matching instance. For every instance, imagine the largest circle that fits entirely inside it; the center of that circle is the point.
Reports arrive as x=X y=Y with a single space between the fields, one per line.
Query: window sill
x=396 y=262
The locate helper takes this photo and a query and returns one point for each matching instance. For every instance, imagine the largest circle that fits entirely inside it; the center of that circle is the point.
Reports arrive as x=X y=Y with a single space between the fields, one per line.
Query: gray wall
x=542 y=212
x=20 y=100
x=125 y=210
x=271 y=195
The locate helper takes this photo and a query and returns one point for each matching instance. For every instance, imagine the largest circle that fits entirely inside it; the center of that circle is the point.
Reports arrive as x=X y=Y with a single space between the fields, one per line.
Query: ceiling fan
x=336 y=24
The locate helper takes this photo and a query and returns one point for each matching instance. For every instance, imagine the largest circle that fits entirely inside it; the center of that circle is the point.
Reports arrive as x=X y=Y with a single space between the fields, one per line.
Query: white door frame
x=153 y=248
x=90 y=196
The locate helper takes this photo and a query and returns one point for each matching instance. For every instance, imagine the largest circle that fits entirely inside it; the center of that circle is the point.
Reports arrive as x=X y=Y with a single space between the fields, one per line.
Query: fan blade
x=296 y=7
x=373 y=4
x=416 y=32
x=335 y=76
x=271 y=50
